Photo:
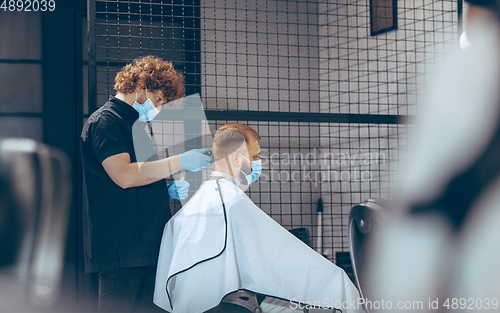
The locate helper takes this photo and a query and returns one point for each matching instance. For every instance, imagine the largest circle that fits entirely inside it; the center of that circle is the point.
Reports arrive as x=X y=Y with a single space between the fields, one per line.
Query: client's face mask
x=256 y=170
x=147 y=110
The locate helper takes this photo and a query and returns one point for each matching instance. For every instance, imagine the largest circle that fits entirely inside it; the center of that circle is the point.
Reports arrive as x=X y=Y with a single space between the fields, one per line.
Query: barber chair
x=364 y=218
x=35 y=190
x=245 y=299
x=239 y=301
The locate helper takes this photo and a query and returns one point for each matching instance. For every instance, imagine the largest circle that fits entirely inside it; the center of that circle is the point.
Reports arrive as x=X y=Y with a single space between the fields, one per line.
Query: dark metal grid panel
x=270 y=63
x=121 y=31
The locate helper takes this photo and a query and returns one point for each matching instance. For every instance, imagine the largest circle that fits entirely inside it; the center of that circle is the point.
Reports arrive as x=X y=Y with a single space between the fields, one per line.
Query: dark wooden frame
x=383 y=18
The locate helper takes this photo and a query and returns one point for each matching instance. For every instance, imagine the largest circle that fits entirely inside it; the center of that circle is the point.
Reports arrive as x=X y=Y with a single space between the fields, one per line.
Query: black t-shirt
x=121 y=227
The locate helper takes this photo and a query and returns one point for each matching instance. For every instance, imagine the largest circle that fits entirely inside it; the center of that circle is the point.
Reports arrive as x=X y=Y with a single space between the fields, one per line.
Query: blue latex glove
x=194 y=160
x=178 y=190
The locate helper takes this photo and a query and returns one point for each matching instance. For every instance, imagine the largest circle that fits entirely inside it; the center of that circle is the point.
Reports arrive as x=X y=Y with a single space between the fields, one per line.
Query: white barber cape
x=209 y=250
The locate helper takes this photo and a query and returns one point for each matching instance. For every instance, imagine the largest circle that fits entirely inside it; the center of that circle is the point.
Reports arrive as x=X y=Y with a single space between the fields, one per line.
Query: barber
x=126 y=198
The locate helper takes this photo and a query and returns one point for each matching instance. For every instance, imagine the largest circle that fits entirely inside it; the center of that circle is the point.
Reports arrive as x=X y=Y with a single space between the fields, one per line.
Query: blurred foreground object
x=35 y=191
x=440 y=252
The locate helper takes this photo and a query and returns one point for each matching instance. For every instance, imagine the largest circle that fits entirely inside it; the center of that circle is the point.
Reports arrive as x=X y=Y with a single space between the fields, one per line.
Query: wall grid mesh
x=326 y=96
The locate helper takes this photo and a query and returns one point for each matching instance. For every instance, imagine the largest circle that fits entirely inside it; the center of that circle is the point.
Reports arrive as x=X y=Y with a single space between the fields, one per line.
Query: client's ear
x=235 y=159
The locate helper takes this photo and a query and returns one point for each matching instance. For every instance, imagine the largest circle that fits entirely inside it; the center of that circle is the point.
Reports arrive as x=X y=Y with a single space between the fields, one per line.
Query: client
x=220 y=242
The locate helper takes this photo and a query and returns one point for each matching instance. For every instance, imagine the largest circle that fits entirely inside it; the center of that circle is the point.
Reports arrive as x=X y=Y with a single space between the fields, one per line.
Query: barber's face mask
x=147 y=110
x=256 y=170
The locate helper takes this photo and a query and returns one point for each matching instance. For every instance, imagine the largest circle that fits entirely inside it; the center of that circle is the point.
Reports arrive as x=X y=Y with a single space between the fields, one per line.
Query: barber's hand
x=178 y=190
x=194 y=160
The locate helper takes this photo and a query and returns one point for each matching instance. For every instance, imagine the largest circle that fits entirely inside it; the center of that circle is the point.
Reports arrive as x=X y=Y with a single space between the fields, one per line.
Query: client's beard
x=243 y=177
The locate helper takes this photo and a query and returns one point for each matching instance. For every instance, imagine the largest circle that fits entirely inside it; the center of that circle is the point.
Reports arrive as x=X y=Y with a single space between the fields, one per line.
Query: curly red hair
x=154 y=74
